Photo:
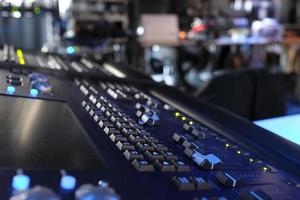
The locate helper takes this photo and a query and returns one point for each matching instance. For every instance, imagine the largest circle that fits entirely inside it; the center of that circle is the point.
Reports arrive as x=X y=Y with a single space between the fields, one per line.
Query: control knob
x=86 y=192
x=36 y=193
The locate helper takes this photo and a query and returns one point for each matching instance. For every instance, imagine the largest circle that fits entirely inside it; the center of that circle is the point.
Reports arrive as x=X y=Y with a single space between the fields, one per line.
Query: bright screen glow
x=286 y=127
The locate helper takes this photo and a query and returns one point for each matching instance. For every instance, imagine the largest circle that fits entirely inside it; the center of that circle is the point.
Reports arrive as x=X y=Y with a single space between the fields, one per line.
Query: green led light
x=77 y=48
x=183 y=118
x=37 y=10
x=14 y=9
x=177 y=114
x=239 y=152
x=251 y=160
x=227 y=145
x=191 y=123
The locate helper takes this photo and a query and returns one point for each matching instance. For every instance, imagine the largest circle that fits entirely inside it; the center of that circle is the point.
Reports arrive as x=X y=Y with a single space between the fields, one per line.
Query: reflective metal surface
x=44 y=135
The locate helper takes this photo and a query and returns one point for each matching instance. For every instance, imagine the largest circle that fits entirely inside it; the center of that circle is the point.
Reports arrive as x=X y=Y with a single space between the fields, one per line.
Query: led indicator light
x=68 y=182
x=21 y=61
x=265 y=169
x=20 y=182
x=37 y=10
x=71 y=50
x=10 y=89
x=20 y=53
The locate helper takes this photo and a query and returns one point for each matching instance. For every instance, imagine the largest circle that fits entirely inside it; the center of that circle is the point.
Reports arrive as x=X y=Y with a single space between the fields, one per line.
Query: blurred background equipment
x=178 y=43
x=30 y=24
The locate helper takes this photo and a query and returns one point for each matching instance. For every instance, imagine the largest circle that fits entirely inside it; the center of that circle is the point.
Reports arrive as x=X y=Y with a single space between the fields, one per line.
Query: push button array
x=145 y=151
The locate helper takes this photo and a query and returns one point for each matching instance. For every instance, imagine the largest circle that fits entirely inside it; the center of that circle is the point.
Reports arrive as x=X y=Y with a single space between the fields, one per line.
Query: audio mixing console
x=70 y=136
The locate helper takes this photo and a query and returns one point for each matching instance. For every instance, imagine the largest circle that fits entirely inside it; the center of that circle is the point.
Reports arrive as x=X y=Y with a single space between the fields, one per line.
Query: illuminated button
x=20 y=182
x=68 y=182
x=34 y=92
x=10 y=89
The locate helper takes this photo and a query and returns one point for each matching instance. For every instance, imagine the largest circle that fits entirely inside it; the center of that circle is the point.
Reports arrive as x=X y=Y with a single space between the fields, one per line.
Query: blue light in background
x=68 y=182
x=34 y=92
x=20 y=182
x=71 y=50
x=286 y=127
x=11 y=89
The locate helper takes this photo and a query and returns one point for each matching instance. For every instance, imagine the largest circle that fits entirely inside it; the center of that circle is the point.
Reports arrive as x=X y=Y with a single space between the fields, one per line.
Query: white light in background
x=116 y=47
x=156 y=48
x=16 y=3
x=64 y=6
x=248 y=6
x=140 y=30
x=16 y=14
x=238 y=5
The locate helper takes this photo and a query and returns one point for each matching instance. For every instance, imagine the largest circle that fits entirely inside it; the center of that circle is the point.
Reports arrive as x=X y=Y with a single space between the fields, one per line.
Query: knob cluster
x=22 y=190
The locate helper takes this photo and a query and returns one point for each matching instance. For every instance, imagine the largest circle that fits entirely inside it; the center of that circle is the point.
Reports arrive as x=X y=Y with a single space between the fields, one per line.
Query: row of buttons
x=143 y=150
x=198 y=183
x=125 y=92
x=84 y=192
x=138 y=146
x=118 y=91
